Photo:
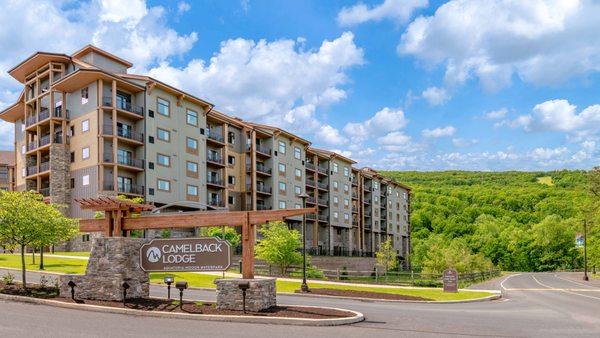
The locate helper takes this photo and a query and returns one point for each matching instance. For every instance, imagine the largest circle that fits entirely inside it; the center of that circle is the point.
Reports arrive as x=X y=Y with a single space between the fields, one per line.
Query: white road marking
x=507 y=278
x=563 y=290
x=578 y=283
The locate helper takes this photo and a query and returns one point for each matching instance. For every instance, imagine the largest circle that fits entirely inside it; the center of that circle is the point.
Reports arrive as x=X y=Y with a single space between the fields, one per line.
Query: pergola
x=118 y=221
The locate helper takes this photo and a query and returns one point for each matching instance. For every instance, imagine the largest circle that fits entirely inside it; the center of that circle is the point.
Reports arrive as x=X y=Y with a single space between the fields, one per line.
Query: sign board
x=186 y=254
x=450 y=280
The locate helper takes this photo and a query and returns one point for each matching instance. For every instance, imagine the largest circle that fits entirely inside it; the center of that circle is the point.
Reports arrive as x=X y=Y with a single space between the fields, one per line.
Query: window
x=192 y=143
x=85 y=153
x=72 y=183
x=231 y=200
x=282 y=205
x=336 y=200
x=23 y=173
x=297 y=153
x=346 y=202
x=163 y=107
x=336 y=215
x=335 y=185
x=282 y=168
x=282 y=147
x=231 y=137
x=346 y=217
x=346 y=171
x=404 y=195
x=72 y=156
x=23 y=149
x=85 y=180
x=298 y=173
x=335 y=167
x=192 y=190
x=231 y=179
x=376 y=199
x=163 y=185
x=375 y=185
x=163 y=135
x=85 y=126
x=163 y=160
x=297 y=206
x=231 y=160
x=297 y=190
x=346 y=188
x=84 y=95
x=282 y=187
x=191 y=117
x=192 y=167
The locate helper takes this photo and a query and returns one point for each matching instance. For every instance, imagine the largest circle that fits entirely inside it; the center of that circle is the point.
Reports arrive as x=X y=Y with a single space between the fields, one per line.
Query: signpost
x=186 y=254
x=450 y=280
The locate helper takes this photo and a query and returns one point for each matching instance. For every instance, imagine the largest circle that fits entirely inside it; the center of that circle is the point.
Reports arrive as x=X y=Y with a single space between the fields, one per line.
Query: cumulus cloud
x=496 y=114
x=183 y=7
x=384 y=121
x=397 y=10
x=542 y=41
x=439 y=132
x=435 y=96
x=462 y=143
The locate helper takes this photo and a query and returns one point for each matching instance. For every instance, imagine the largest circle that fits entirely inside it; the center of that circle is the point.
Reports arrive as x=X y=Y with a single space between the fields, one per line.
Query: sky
x=393 y=84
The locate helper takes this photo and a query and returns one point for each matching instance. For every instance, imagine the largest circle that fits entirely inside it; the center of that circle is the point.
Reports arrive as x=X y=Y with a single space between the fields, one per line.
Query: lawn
x=74 y=253
x=77 y=266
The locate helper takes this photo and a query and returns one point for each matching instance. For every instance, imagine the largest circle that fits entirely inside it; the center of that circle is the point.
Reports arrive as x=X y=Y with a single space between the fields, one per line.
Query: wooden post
x=247 y=249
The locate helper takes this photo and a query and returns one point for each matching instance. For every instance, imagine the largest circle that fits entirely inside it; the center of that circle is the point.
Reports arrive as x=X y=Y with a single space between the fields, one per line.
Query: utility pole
x=585 y=265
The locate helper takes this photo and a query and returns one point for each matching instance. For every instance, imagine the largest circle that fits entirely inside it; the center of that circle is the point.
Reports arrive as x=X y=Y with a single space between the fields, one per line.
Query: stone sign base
x=113 y=260
x=260 y=295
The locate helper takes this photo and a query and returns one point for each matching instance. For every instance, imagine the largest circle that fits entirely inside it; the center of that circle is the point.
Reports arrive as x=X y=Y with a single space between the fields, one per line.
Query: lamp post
x=585 y=265
x=304 y=286
x=169 y=280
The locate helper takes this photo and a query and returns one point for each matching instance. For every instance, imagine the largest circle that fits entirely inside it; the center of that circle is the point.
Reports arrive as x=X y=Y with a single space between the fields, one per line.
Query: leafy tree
x=227 y=233
x=386 y=256
x=26 y=220
x=279 y=245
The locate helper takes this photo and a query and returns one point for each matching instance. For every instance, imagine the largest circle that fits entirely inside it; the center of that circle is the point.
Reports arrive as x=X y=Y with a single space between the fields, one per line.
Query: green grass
x=547 y=180
x=76 y=254
x=77 y=266
x=51 y=264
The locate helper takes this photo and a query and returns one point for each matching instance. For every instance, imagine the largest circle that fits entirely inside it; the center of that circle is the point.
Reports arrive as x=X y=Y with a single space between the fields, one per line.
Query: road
x=533 y=305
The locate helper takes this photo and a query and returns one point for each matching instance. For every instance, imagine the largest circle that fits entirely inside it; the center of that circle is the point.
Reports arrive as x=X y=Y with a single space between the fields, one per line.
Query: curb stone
x=358 y=317
x=496 y=296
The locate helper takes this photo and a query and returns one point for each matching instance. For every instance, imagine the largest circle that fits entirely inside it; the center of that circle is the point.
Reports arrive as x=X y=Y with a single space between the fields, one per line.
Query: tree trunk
x=23 y=266
x=42 y=258
x=33 y=255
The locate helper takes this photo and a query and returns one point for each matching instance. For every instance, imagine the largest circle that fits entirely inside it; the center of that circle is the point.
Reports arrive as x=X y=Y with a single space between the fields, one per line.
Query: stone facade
x=112 y=261
x=60 y=186
x=260 y=295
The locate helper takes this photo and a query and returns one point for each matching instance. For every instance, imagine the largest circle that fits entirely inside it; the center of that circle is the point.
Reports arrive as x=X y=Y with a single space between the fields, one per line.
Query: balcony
x=323 y=218
x=31 y=170
x=310 y=183
x=311 y=217
x=310 y=166
x=354 y=183
x=216 y=202
x=215 y=181
x=130 y=161
x=130 y=189
x=58 y=112
x=44 y=166
x=125 y=133
x=323 y=186
x=322 y=170
x=261 y=188
x=215 y=159
x=310 y=199
x=262 y=169
x=260 y=149
x=216 y=137
x=45 y=192
x=123 y=105
x=323 y=202
x=262 y=207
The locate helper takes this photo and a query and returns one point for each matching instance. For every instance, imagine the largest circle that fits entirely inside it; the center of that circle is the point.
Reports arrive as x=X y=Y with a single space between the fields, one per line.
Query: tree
x=386 y=256
x=227 y=233
x=594 y=182
x=279 y=246
x=26 y=220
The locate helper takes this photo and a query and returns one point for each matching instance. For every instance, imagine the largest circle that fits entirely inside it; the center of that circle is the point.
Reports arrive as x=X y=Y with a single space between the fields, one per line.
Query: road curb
x=358 y=317
x=496 y=296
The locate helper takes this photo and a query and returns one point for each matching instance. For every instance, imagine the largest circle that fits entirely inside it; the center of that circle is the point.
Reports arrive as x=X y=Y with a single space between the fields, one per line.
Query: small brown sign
x=186 y=254
x=450 y=280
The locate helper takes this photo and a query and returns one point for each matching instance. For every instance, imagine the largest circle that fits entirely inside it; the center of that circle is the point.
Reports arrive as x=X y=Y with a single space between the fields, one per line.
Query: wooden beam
x=247 y=249
x=92 y=225
x=261 y=217
x=185 y=220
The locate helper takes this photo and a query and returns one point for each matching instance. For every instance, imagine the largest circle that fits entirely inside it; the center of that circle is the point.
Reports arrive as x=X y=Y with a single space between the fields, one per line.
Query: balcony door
x=123 y=100
x=125 y=156
x=125 y=130
x=125 y=184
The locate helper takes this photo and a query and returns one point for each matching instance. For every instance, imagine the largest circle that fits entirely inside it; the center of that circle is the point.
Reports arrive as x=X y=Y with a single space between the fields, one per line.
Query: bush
x=8 y=279
x=344 y=273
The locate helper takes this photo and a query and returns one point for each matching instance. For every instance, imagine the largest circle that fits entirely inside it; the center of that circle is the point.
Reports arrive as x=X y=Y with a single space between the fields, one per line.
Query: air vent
x=150 y=113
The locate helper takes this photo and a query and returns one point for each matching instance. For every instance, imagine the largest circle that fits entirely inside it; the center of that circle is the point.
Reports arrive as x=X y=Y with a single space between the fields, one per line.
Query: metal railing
x=322 y=170
x=130 y=134
x=31 y=170
x=263 y=168
x=107 y=101
x=260 y=149
x=44 y=140
x=44 y=166
x=130 y=189
x=310 y=166
x=214 y=181
x=323 y=185
x=310 y=182
x=127 y=106
x=130 y=161
x=215 y=202
x=44 y=114
x=216 y=136
x=214 y=158
x=324 y=218
x=59 y=113
x=263 y=207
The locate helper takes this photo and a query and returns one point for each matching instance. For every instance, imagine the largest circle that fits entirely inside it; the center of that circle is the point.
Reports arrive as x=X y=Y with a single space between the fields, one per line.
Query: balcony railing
x=323 y=185
x=310 y=166
x=311 y=217
x=260 y=149
x=130 y=161
x=323 y=201
x=310 y=182
x=108 y=186
x=127 y=106
x=44 y=114
x=322 y=170
x=127 y=133
x=263 y=168
x=59 y=113
x=310 y=199
x=264 y=189
x=215 y=202
x=44 y=166
x=32 y=170
x=324 y=218
x=215 y=158
x=367 y=188
x=216 y=136
x=214 y=181
x=45 y=192
x=30 y=120
x=107 y=101
x=130 y=189
x=263 y=207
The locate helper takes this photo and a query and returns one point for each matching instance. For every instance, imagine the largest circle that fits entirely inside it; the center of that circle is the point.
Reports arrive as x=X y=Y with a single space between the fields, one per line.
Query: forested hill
x=519 y=221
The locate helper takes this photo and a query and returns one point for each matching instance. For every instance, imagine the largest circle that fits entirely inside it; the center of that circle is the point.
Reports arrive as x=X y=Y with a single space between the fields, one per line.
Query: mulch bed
x=363 y=294
x=33 y=290
x=153 y=304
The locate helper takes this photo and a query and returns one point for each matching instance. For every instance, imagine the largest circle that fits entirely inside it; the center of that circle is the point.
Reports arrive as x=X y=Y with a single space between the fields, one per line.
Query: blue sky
x=396 y=84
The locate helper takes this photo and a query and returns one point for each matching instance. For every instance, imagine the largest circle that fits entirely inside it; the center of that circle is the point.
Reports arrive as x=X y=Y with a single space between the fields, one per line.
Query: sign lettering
x=186 y=254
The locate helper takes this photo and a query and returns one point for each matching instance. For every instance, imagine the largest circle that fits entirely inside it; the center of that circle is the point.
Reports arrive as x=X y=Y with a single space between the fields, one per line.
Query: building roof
x=332 y=154
x=7 y=157
x=35 y=61
x=91 y=48
x=277 y=131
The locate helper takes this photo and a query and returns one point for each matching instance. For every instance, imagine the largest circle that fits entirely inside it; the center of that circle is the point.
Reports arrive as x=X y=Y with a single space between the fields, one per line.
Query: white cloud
x=538 y=154
x=542 y=41
x=462 y=143
x=395 y=138
x=183 y=7
x=113 y=11
x=435 y=96
x=438 y=132
x=397 y=10
x=496 y=114
x=382 y=122
x=329 y=135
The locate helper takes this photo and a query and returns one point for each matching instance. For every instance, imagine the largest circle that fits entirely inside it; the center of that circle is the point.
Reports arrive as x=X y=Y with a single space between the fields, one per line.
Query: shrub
x=344 y=273
x=8 y=279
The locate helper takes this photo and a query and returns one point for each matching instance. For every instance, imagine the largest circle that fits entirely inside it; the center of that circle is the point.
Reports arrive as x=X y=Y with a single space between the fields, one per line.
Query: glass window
x=297 y=153
x=335 y=184
x=231 y=137
x=192 y=190
x=163 y=107
x=298 y=173
x=282 y=186
x=231 y=160
x=163 y=160
x=281 y=168
x=346 y=171
x=346 y=188
x=192 y=166
x=163 y=185
x=85 y=153
x=85 y=125
x=297 y=190
x=336 y=215
x=335 y=167
x=192 y=143
x=163 y=135
x=192 y=117
x=282 y=205
x=23 y=149
x=336 y=200
x=346 y=217
x=85 y=180
x=282 y=147
x=346 y=202
x=297 y=206
x=231 y=179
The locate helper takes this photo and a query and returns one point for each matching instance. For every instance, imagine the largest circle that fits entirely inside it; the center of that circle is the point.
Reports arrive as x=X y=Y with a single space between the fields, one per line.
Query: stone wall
x=60 y=181
x=260 y=295
x=112 y=261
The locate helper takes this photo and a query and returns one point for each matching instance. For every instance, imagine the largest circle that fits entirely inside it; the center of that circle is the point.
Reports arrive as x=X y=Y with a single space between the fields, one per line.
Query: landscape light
x=244 y=286
x=169 y=280
x=72 y=285
x=181 y=286
x=125 y=287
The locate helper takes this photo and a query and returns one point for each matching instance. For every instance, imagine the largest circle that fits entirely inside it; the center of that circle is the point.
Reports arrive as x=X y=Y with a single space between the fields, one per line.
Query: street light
x=585 y=265
x=304 y=286
x=169 y=280
x=182 y=285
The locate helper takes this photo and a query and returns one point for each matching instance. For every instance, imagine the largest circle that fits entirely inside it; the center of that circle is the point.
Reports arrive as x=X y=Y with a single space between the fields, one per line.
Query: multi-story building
x=7 y=170
x=84 y=127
